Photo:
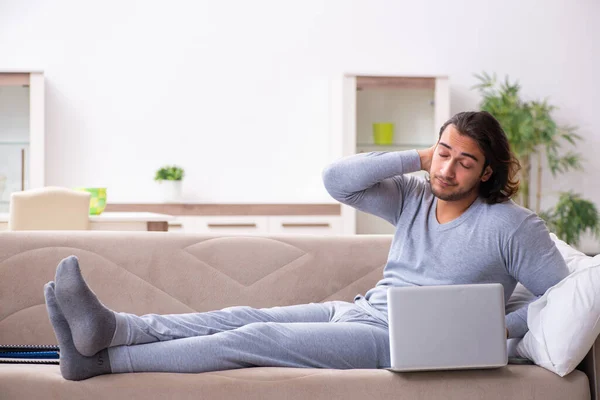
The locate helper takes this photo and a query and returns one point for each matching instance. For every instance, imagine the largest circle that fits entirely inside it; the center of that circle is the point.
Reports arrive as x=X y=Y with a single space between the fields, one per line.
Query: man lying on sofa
x=457 y=227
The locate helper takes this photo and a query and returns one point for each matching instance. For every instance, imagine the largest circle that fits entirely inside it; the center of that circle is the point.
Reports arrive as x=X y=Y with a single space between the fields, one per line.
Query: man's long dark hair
x=482 y=127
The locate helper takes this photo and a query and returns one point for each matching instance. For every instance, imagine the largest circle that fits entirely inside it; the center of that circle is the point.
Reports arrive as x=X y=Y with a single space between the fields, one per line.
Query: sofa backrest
x=163 y=273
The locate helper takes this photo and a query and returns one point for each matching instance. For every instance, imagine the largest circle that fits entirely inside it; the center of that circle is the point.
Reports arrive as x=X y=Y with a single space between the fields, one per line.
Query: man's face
x=457 y=167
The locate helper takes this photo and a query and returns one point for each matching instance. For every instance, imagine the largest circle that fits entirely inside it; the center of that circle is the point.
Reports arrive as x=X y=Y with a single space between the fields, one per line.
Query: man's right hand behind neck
x=426 y=156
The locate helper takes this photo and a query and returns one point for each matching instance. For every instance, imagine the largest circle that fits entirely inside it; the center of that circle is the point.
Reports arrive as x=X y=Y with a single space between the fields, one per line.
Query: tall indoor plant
x=533 y=134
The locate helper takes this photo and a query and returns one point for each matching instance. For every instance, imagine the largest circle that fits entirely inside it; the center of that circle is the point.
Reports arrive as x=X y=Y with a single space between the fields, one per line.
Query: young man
x=458 y=227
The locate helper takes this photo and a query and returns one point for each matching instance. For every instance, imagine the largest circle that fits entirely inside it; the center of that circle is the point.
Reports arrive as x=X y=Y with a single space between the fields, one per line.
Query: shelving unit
x=21 y=132
x=245 y=219
x=416 y=105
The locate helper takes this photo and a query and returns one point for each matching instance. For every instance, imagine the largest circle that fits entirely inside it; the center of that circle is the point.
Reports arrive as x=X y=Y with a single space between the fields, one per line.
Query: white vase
x=171 y=191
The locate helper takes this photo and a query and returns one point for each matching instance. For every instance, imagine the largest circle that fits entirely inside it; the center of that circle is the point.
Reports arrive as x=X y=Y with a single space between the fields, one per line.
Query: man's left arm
x=532 y=259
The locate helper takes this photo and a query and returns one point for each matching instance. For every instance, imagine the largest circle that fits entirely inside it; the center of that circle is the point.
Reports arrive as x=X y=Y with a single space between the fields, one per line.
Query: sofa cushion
x=511 y=382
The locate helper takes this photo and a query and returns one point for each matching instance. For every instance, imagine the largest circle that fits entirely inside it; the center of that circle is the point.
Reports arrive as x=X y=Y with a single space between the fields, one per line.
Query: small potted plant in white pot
x=170 y=176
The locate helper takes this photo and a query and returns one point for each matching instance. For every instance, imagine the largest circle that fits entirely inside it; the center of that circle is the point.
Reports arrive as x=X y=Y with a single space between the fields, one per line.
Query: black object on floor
x=29 y=354
x=519 y=360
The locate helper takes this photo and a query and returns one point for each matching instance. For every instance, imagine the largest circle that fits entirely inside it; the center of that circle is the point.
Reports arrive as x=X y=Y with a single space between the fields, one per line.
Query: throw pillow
x=563 y=323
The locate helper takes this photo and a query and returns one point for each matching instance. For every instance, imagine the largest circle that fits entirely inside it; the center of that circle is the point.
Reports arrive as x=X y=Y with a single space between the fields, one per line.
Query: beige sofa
x=148 y=272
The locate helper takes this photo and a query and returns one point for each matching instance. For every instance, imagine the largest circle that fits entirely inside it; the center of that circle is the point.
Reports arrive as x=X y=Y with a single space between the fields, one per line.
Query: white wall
x=239 y=93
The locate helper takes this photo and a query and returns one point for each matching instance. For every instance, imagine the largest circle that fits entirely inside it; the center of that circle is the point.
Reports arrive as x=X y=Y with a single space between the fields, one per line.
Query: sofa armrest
x=590 y=365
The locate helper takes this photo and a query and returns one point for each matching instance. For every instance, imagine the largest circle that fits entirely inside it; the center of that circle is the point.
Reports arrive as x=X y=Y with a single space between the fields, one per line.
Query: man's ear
x=487 y=173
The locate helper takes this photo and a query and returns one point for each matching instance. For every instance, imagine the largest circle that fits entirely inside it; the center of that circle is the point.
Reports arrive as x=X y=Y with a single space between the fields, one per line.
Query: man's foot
x=73 y=366
x=92 y=324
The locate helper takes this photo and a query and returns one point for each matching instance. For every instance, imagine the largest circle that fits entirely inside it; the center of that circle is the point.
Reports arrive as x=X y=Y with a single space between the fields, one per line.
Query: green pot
x=97 y=199
x=383 y=133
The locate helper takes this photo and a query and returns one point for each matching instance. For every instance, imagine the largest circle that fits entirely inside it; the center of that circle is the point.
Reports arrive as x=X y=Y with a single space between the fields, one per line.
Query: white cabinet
x=416 y=106
x=21 y=133
x=309 y=224
x=226 y=225
x=258 y=224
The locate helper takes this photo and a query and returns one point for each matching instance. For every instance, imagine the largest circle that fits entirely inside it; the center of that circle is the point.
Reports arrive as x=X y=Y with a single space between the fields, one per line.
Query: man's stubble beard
x=453 y=196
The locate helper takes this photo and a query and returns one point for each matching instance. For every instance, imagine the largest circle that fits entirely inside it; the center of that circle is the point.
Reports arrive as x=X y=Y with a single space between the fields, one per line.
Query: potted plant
x=533 y=133
x=170 y=176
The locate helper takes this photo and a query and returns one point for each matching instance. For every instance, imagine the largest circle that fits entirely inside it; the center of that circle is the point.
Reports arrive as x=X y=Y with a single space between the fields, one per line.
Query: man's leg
x=360 y=344
x=94 y=327
x=132 y=329
x=340 y=345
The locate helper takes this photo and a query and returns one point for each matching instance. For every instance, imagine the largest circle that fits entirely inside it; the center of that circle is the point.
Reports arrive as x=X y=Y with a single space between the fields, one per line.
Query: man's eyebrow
x=464 y=154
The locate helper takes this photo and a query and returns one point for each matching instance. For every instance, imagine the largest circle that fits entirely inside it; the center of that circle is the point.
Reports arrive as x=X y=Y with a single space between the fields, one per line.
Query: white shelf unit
x=22 y=132
x=417 y=106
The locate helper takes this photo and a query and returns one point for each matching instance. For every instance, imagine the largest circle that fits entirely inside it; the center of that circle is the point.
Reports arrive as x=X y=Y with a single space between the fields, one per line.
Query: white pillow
x=563 y=323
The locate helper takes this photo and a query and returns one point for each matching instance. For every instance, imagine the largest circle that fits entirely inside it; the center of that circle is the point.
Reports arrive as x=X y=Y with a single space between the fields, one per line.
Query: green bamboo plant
x=533 y=134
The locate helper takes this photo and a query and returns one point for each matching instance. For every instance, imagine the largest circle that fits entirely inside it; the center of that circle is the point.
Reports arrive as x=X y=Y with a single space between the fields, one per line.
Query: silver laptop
x=447 y=327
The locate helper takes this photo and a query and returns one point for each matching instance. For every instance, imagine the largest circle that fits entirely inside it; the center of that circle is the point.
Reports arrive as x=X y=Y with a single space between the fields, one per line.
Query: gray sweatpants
x=333 y=334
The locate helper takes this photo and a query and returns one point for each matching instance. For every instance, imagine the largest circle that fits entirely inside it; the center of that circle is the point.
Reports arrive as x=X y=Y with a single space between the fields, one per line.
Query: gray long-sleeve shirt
x=489 y=243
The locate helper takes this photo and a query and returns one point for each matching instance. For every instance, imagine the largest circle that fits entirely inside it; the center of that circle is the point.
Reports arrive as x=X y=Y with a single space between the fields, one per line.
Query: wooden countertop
x=227 y=209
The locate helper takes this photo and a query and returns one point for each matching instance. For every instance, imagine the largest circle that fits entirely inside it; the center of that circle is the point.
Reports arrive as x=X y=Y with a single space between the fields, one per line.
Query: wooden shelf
x=394 y=82
x=394 y=146
x=14 y=79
